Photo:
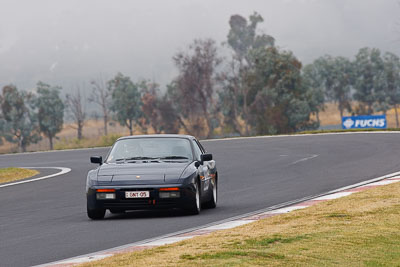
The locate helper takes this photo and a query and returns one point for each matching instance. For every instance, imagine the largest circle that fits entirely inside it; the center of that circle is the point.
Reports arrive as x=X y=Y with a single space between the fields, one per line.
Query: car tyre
x=96 y=214
x=195 y=205
x=212 y=203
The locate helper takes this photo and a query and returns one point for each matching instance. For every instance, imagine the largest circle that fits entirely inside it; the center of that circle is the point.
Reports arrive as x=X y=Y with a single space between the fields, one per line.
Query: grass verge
x=102 y=141
x=358 y=230
x=14 y=174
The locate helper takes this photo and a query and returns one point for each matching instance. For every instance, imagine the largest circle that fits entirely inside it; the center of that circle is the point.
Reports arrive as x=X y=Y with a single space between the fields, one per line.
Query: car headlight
x=172 y=194
x=105 y=193
x=105 y=196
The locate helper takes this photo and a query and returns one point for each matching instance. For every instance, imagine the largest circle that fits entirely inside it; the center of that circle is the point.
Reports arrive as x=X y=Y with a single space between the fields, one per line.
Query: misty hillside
x=70 y=42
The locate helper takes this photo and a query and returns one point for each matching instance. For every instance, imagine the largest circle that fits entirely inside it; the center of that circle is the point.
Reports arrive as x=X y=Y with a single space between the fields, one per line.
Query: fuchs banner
x=360 y=122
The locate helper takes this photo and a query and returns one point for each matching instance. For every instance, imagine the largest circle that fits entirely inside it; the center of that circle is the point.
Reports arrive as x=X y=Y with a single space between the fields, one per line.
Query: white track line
x=227 y=225
x=304 y=159
x=383 y=182
x=286 y=210
x=334 y=196
x=166 y=241
x=62 y=171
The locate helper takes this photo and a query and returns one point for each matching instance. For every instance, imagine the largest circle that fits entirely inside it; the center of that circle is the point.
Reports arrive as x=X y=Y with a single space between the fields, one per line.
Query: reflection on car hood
x=141 y=173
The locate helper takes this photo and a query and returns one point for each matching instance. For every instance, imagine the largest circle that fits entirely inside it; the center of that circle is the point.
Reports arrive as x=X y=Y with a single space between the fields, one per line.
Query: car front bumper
x=121 y=203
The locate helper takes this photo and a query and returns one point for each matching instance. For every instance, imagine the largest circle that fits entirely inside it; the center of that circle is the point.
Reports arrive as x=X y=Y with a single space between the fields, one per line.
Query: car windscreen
x=150 y=148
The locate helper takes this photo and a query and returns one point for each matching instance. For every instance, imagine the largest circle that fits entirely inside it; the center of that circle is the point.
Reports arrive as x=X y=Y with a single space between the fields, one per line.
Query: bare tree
x=195 y=84
x=101 y=96
x=76 y=106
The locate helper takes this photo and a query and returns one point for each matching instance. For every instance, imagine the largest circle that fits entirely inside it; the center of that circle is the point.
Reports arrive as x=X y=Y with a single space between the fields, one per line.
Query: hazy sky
x=67 y=42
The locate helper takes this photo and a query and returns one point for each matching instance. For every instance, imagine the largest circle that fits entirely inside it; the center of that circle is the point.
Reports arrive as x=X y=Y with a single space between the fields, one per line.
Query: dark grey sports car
x=152 y=171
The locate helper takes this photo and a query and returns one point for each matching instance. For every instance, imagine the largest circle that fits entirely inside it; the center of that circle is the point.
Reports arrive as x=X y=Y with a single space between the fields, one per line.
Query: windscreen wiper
x=140 y=158
x=174 y=157
x=135 y=158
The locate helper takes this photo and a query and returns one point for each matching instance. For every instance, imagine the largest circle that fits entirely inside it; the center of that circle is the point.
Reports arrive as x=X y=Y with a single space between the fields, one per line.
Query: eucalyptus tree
x=279 y=100
x=125 y=101
x=169 y=116
x=50 y=110
x=392 y=81
x=369 y=80
x=158 y=110
x=243 y=36
x=332 y=75
x=19 y=118
x=2 y=126
x=242 y=39
x=316 y=93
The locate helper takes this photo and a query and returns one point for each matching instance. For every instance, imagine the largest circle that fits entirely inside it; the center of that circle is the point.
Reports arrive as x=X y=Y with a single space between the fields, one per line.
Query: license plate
x=137 y=194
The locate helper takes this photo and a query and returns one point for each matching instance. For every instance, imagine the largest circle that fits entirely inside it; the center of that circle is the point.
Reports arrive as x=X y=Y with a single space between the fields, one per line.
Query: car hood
x=141 y=173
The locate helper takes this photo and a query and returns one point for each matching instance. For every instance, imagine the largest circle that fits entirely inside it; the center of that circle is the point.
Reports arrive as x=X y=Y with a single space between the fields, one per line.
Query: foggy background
x=68 y=42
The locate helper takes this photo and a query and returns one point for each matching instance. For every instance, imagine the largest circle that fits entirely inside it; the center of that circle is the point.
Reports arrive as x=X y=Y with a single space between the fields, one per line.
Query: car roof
x=157 y=135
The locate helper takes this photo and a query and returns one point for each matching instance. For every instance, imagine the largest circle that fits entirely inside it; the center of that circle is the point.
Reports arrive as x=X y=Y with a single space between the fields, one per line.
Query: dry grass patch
x=14 y=174
x=358 y=230
x=102 y=141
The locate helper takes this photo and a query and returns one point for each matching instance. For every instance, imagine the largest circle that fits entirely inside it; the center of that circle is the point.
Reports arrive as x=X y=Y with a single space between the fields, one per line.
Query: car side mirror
x=206 y=157
x=97 y=160
x=197 y=164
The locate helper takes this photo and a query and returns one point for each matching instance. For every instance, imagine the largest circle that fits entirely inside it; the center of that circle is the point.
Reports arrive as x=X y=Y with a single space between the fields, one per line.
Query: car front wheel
x=96 y=214
x=195 y=205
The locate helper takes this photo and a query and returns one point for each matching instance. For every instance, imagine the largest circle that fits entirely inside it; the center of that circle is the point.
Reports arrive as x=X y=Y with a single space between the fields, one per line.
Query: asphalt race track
x=46 y=220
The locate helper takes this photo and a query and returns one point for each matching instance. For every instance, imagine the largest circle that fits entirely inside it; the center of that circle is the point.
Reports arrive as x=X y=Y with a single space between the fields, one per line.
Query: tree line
x=258 y=89
x=372 y=79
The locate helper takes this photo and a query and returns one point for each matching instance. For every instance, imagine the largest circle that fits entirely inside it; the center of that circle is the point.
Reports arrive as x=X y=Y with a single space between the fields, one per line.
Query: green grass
x=358 y=230
x=13 y=174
